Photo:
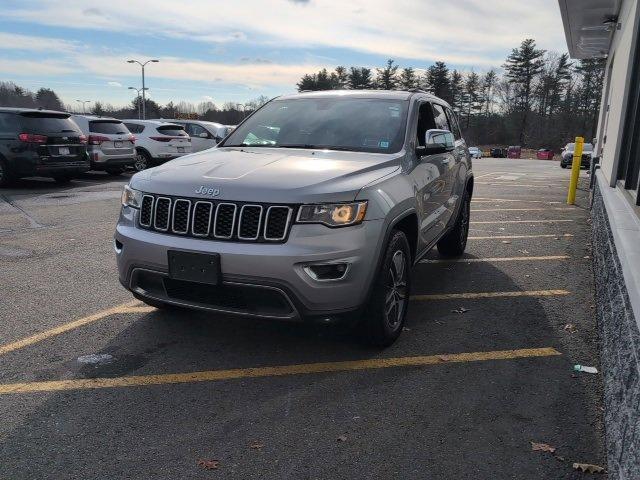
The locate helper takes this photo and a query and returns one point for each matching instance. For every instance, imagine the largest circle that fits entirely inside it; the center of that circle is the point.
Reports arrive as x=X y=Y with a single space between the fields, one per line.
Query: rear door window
x=39 y=123
x=108 y=127
x=8 y=124
x=455 y=126
x=440 y=117
x=134 y=127
x=172 y=130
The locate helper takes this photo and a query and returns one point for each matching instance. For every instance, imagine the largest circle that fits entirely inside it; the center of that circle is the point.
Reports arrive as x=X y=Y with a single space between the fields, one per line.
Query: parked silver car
x=110 y=144
x=315 y=207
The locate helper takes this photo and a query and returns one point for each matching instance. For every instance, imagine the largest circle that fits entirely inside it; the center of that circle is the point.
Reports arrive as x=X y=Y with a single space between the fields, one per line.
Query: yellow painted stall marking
x=257 y=372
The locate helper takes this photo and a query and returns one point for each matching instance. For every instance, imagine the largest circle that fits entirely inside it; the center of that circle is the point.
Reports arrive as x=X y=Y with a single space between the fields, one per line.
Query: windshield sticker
x=383 y=144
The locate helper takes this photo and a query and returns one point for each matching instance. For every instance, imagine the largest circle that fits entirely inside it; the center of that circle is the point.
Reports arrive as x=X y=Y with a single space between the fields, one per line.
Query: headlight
x=333 y=214
x=131 y=197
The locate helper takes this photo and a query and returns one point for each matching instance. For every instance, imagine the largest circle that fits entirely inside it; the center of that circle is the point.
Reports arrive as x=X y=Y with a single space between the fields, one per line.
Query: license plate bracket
x=117 y=144
x=195 y=267
x=63 y=151
x=180 y=149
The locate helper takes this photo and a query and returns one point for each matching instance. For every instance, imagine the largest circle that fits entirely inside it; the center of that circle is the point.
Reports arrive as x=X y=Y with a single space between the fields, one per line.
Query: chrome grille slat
x=222 y=216
x=230 y=221
x=164 y=204
x=197 y=219
x=270 y=227
x=146 y=210
x=248 y=224
x=180 y=225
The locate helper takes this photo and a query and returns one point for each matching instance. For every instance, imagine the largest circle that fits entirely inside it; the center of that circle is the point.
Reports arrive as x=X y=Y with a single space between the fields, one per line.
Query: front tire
x=385 y=315
x=454 y=242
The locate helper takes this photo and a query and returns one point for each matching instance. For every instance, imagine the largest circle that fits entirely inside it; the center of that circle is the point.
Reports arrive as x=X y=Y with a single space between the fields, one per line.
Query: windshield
x=108 y=127
x=354 y=124
x=586 y=147
x=39 y=123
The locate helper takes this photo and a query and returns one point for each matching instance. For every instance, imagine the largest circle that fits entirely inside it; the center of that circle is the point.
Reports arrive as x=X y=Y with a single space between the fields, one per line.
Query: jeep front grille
x=235 y=221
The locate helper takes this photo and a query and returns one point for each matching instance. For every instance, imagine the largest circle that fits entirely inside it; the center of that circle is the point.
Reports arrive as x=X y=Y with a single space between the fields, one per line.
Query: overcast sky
x=235 y=50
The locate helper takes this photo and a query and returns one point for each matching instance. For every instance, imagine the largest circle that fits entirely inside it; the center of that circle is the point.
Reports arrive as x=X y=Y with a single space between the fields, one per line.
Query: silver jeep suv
x=314 y=208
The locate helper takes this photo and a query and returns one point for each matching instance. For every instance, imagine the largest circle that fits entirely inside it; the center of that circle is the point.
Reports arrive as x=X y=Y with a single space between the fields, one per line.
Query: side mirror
x=203 y=135
x=436 y=141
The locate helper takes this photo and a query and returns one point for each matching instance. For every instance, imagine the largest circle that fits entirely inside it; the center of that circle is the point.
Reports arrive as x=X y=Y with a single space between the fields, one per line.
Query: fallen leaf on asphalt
x=342 y=438
x=209 y=464
x=571 y=328
x=588 y=468
x=542 y=447
x=506 y=241
x=459 y=310
x=256 y=445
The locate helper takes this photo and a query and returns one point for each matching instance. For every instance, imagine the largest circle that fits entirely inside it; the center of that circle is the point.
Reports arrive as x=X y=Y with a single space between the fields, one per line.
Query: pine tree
x=489 y=83
x=437 y=81
x=339 y=78
x=472 y=96
x=457 y=95
x=408 y=79
x=387 y=77
x=307 y=82
x=360 y=78
x=522 y=66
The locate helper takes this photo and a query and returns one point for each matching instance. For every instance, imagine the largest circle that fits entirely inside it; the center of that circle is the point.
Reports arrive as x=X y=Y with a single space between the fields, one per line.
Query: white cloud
x=114 y=84
x=34 y=67
x=14 y=41
x=473 y=32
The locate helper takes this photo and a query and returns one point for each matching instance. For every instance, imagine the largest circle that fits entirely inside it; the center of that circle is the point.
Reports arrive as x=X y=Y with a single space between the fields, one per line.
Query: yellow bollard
x=575 y=171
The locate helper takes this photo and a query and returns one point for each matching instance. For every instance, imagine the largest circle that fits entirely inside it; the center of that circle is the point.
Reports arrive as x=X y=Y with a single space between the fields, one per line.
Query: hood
x=273 y=175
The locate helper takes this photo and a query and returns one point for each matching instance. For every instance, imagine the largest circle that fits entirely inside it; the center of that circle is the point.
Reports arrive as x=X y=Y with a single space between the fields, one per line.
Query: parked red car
x=544 y=154
x=514 y=151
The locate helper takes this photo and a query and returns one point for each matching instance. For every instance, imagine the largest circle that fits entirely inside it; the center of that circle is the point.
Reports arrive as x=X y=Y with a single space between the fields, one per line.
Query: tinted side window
x=440 y=117
x=455 y=126
x=195 y=130
x=8 y=124
x=172 y=130
x=135 y=127
x=425 y=122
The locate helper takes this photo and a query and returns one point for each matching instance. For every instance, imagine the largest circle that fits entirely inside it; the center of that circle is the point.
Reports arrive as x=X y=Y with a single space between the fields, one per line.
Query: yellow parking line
x=522 y=209
x=503 y=237
x=472 y=295
x=529 y=185
x=525 y=221
x=38 y=337
x=301 y=369
x=485 y=200
x=495 y=259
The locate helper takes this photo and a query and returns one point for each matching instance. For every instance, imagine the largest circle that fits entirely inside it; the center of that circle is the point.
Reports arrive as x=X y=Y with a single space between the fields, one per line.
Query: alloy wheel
x=396 y=293
x=141 y=162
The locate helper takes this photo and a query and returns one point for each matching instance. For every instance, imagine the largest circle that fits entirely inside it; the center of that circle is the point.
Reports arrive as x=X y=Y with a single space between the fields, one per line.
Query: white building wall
x=618 y=70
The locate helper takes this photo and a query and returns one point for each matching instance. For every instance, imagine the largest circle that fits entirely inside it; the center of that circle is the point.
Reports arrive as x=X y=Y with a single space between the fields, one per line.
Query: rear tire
x=385 y=314
x=143 y=161
x=562 y=165
x=454 y=242
x=6 y=178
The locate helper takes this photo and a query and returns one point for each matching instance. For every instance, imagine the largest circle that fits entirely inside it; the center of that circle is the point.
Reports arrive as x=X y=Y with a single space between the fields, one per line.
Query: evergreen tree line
x=541 y=99
x=229 y=113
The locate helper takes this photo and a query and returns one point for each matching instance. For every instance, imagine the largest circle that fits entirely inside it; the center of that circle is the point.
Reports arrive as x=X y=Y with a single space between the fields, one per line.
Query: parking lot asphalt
x=95 y=385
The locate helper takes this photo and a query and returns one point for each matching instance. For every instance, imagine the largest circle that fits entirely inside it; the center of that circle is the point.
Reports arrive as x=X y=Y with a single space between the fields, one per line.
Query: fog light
x=117 y=246
x=323 y=272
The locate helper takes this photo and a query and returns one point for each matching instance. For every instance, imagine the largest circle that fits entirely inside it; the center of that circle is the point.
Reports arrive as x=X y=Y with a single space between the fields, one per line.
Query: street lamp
x=83 y=102
x=144 y=111
x=138 y=90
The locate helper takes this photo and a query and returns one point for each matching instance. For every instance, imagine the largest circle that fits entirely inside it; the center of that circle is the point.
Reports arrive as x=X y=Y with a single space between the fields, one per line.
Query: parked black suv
x=40 y=143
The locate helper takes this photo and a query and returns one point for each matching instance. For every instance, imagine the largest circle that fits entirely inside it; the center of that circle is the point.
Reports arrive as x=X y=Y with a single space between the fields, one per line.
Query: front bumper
x=143 y=268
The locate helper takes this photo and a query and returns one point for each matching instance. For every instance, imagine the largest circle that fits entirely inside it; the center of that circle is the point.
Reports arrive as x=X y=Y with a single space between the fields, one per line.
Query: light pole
x=138 y=90
x=83 y=102
x=144 y=110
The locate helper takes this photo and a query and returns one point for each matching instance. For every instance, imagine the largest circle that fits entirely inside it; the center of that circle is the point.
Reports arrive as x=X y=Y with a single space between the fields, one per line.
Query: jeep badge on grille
x=203 y=190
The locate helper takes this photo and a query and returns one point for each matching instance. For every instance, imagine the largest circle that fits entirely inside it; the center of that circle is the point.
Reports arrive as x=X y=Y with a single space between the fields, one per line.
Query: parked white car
x=203 y=134
x=157 y=142
x=110 y=144
x=475 y=152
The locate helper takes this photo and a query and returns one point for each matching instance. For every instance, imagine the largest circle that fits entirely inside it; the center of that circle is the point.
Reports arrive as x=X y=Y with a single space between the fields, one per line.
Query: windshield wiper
x=317 y=147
